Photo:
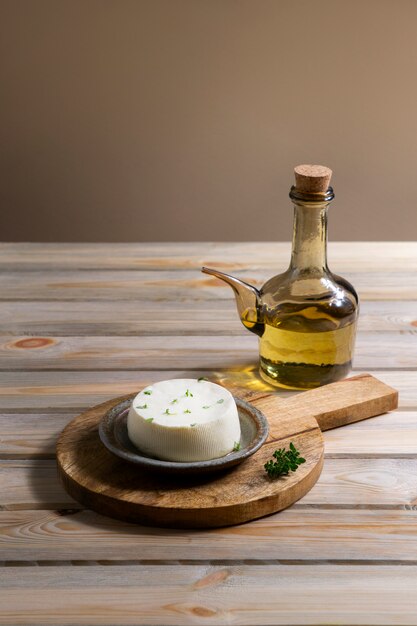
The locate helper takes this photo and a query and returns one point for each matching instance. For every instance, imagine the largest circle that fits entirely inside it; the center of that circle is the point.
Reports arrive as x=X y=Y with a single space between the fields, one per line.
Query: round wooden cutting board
x=111 y=486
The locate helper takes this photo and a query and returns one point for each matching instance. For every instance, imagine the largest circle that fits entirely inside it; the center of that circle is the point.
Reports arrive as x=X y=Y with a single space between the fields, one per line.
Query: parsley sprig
x=286 y=461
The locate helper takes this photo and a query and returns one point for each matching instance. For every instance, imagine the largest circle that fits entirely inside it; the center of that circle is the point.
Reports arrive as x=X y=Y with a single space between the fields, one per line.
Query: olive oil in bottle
x=298 y=354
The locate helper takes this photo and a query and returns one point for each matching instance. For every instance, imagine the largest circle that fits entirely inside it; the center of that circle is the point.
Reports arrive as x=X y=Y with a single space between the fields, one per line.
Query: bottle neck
x=309 y=244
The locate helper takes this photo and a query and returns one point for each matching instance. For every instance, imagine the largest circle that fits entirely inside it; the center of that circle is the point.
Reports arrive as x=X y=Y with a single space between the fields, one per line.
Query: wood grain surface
x=188 y=352
x=273 y=595
x=357 y=524
x=298 y=534
x=96 y=318
x=241 y=594
x=138 y=285
x=273 y=256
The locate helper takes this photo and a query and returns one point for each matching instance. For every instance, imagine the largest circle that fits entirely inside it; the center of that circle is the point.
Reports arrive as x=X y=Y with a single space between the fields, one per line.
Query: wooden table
x=83 y=323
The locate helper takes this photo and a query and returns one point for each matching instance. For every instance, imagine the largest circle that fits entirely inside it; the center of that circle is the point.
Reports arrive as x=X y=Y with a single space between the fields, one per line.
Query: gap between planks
x=202 y=562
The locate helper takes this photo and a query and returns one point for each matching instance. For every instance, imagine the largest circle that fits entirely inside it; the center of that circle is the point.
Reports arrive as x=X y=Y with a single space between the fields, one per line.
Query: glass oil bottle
x=309 y=313
x=305 y=317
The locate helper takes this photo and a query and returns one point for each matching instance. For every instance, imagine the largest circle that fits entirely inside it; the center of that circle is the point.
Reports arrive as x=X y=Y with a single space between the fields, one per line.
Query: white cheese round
x=184 y=420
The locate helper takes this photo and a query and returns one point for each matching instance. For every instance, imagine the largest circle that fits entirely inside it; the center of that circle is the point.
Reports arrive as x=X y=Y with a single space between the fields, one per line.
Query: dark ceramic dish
x=113 y=434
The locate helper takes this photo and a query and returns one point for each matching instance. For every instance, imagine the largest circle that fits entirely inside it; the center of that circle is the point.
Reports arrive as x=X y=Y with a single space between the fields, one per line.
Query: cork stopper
x=312 y=178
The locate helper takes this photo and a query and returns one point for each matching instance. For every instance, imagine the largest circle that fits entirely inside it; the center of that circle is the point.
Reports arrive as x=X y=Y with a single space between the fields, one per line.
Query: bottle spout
x=248 y=300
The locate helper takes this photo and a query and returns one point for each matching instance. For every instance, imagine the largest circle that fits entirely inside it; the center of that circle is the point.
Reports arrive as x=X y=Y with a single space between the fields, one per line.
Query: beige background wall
x=182 y=119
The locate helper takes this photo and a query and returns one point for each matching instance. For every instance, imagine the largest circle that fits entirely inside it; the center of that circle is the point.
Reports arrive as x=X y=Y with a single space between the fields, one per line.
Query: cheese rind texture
x=184 y=420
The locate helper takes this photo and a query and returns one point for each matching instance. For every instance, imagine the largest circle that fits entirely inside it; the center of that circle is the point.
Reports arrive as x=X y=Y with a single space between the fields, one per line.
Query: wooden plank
x=167 y=286
x=377 y=350
x=393 y=434
x=30 y=484
x=365 y=482
x=49 y=318
x=274 y=256
x=195 y=317
x=96 y=353
x=348 y=483
x=52 y=391
x=242 y=594
x=66 y=390
x=33 y=435
x=296 y=534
